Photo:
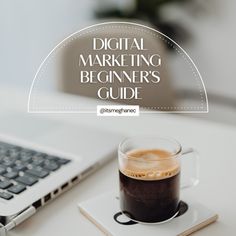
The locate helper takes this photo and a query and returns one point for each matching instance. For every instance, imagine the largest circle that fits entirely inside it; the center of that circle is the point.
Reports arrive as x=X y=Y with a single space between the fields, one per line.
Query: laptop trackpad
x=82 y=140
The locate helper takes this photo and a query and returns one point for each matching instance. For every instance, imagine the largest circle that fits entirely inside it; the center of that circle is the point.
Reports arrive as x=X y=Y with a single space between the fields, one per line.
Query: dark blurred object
x=149 y=11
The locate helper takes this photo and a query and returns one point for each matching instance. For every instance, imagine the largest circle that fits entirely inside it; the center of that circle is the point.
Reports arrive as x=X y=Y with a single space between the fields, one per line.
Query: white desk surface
x=217 y=188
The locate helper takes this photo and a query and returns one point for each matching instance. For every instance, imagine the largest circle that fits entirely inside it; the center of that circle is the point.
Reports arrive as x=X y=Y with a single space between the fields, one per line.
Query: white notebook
x=104 y=212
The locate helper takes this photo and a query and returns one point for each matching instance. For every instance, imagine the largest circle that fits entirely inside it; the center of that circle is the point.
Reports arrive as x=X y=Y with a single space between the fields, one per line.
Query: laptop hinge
x=17 y=220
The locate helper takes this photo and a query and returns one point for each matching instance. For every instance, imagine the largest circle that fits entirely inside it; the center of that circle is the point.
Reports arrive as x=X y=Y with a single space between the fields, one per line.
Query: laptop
x=41 y=158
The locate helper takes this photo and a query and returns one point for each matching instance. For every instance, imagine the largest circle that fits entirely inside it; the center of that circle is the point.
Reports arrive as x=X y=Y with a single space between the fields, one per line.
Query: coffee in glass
x=149 y=180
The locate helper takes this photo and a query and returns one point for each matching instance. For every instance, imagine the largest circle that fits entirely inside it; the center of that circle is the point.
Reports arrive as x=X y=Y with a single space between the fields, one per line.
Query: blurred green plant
x=150 y=11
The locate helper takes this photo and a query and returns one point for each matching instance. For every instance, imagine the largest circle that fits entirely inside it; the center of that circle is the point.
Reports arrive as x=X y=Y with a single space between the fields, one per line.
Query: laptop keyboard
x=21 y=168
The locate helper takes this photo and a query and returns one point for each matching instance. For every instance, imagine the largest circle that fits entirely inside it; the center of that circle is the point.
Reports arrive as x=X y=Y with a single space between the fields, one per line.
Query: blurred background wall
x=204 y=28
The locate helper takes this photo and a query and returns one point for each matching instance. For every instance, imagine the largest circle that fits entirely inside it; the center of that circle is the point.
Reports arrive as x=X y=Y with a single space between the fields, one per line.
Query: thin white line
x=52 y=112
x=94 y=112
x=188 y=112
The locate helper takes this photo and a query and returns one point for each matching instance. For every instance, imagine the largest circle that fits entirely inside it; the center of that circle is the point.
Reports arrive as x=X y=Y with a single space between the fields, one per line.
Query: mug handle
x=189 y=168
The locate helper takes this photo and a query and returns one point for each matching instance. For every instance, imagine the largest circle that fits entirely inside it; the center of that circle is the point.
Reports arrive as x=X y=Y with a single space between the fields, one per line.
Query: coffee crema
x=150 y=164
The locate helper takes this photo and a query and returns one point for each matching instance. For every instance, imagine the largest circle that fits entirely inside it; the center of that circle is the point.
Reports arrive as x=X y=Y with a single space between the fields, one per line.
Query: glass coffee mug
x=149 y=173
